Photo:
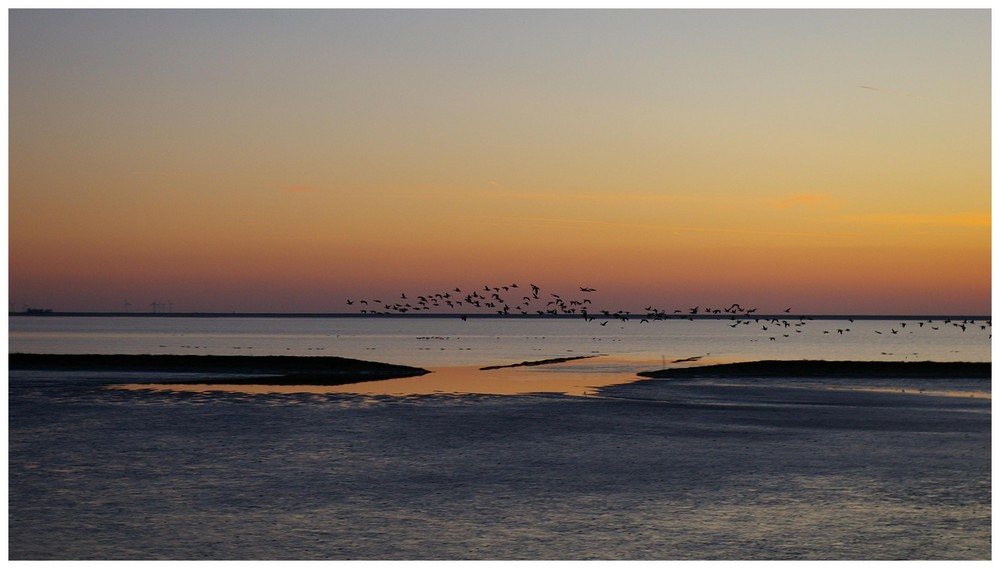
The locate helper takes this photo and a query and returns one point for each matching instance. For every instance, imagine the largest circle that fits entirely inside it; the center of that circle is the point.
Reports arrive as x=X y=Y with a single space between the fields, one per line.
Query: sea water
x=655 y=470
x=450 y=341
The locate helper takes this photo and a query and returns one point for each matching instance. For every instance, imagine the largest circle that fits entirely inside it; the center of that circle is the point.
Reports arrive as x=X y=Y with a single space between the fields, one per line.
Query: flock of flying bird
x=511 y=299
x=497 y=299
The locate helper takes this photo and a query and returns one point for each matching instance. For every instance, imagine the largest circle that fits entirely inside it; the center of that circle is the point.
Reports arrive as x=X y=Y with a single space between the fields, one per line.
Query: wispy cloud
x=966 y=219
x=556 y=221
x=807 y=201
x=672 y=228
x=596 y=196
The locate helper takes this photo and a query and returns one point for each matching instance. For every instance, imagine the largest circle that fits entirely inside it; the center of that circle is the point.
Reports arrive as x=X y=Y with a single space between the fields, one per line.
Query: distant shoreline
x=597 y=315
x=257 y=370
x=829 y=369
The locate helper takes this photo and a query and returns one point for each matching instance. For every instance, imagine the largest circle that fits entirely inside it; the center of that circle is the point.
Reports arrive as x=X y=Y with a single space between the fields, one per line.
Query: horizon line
x=598 y=315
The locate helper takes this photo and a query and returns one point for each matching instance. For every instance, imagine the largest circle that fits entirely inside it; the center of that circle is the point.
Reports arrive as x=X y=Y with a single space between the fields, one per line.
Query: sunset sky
x=284 y=161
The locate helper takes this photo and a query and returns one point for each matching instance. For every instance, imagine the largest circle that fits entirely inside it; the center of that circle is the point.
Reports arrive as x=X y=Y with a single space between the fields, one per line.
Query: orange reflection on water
x=576 y=378
x=568 y=378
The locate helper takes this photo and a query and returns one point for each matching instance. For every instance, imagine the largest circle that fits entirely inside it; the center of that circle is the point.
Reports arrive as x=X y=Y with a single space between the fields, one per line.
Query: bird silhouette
x=490 y=301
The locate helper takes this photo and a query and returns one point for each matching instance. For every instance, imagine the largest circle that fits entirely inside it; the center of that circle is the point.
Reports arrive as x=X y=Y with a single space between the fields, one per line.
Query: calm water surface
x=526 y=463
x=451 y=346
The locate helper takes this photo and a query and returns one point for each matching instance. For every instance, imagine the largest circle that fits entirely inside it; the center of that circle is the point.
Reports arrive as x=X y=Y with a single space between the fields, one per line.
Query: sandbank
x=262 y=370
x=830 y=369
x=537 y=362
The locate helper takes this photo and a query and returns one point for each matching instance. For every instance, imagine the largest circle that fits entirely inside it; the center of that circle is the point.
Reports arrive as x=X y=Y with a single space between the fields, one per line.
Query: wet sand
x=531 y=363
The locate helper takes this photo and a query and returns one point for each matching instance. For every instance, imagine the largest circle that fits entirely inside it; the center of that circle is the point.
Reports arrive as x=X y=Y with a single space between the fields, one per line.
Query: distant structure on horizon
x=161 y=307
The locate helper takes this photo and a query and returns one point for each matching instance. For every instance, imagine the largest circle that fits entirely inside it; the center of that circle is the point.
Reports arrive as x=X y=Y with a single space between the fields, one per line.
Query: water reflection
x=576 y=378
x=580 y=378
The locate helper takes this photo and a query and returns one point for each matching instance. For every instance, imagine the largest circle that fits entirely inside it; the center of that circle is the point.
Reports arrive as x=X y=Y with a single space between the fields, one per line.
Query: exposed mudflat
x=832 y=369
x=260 y=370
